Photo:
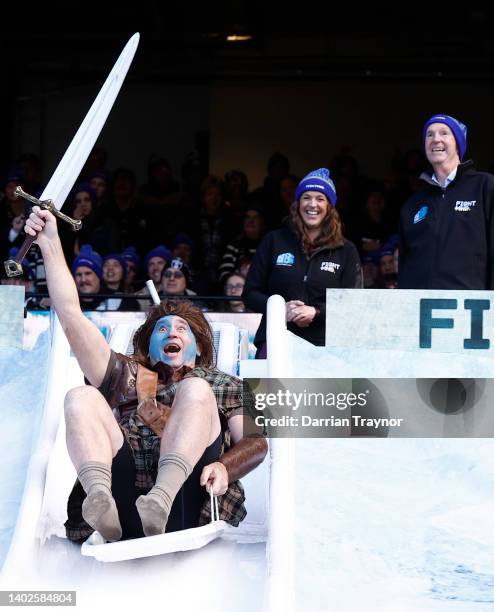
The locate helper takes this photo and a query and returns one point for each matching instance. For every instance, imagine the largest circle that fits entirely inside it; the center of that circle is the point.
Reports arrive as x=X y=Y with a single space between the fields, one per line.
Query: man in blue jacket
x=447 y=229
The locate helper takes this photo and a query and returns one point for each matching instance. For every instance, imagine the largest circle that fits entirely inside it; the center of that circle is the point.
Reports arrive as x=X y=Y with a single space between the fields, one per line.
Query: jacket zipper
x=306 y=276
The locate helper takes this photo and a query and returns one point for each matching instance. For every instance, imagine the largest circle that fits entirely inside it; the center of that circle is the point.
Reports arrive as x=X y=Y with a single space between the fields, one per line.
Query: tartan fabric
x=145 y=443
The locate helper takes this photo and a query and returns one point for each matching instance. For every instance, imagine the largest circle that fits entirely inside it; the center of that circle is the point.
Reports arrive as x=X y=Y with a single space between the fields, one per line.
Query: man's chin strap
x=242 y=458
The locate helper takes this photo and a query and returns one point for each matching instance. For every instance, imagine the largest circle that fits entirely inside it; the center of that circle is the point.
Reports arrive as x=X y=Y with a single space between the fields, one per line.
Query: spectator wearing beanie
x=96 y=230
x=155 y=262
x=133 y=263
x=447 y=228
x=183 y=248
x=99 y=184
x=175 y=280
x=87 y=269
x=370 y=270
x=10 y=203
x=387 y=272
x=302 y=260
x=114 y=272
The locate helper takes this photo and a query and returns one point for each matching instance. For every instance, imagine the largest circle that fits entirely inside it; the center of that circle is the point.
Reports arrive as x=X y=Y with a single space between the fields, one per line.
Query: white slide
x=378 y=524
x=222 y=560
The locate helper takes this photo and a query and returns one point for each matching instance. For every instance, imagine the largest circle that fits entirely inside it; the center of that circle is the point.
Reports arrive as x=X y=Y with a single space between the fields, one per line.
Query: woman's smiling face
x=313 y=208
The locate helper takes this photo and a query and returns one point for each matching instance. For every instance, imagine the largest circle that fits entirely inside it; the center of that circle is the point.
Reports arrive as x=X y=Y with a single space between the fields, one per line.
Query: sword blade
x=74 y=158
x=70 y=166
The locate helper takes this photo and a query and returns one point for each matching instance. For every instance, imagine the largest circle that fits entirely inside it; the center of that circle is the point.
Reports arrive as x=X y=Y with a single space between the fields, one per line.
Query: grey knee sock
x=154 y=508
x=94 y=474
x=99 y=509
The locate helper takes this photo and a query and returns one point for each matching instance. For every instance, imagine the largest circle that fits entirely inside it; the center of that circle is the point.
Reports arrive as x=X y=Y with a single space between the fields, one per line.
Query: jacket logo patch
x=421 y=215
x=330 y=266
x=285 y=259
x=462 y=206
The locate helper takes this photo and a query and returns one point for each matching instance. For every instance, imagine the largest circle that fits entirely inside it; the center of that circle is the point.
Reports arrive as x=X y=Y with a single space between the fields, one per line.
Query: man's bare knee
x=82 y=400
x=195 y=397
x=195 y=392
x=86 y=408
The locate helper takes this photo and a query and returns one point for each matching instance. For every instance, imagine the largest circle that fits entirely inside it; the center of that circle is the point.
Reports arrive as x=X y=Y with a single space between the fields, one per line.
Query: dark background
x=314 y=80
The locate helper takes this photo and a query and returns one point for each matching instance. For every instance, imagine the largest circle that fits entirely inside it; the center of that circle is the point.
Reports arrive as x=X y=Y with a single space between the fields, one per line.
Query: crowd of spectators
x=195 y=236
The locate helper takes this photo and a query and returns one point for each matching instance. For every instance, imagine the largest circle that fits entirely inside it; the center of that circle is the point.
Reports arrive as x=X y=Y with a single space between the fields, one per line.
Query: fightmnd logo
x=462 y=206
x=285 y=259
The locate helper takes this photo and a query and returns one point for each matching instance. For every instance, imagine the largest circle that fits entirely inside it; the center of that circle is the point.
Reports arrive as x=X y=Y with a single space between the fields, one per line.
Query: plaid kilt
x=145 y=445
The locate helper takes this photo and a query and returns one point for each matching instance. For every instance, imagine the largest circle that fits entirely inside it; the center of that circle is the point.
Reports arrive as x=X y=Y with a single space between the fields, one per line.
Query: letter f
x=427 y=322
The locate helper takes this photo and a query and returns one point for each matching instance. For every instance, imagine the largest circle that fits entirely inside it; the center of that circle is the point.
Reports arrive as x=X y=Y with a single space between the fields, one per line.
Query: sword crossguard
x=48 y=205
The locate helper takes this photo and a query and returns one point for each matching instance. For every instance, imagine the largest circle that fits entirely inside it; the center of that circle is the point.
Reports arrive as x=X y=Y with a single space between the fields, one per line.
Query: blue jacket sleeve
x=489 y=222
x=352 y=274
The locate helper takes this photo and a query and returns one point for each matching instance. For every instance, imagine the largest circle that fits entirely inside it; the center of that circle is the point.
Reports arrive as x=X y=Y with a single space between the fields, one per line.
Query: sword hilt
x=47 y=205
x=13 y=267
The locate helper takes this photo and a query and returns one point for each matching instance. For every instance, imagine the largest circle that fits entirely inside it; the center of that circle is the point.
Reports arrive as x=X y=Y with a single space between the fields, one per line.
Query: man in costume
x=150 y=434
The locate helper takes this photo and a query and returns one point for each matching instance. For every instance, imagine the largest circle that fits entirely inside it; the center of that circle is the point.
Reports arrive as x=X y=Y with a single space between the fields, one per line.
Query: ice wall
x=22 y=390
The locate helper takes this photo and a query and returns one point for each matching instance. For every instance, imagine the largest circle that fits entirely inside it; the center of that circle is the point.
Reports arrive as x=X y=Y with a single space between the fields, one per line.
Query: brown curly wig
x=330 y=234
x=197 y=323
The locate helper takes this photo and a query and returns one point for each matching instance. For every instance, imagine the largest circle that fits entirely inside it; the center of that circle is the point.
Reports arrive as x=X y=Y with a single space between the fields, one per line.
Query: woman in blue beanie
x=97 y=230
x=303 y=259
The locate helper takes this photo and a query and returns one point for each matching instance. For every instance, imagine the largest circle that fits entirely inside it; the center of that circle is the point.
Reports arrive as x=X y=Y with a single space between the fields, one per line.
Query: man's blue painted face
x=173 y=343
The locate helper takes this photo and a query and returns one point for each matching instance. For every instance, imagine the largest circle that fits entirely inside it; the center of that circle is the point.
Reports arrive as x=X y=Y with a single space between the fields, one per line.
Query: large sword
x=70 y=166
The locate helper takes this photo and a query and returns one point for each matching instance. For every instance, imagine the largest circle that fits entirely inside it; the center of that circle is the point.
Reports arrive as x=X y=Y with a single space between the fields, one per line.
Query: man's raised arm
x=85 y=339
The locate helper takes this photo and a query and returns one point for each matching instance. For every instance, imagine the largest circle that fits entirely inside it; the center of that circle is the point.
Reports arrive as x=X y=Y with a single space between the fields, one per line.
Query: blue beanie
x=130 y=254
x=90 y=259
x=459 y=131
x=317 y=180
x=393 y=241
x=386 y=250
x=14 y=175
x=102 y=174
x=159 y=251
x=121 y=260
x=183 y=239
x=371 y=257
x=84 y=186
